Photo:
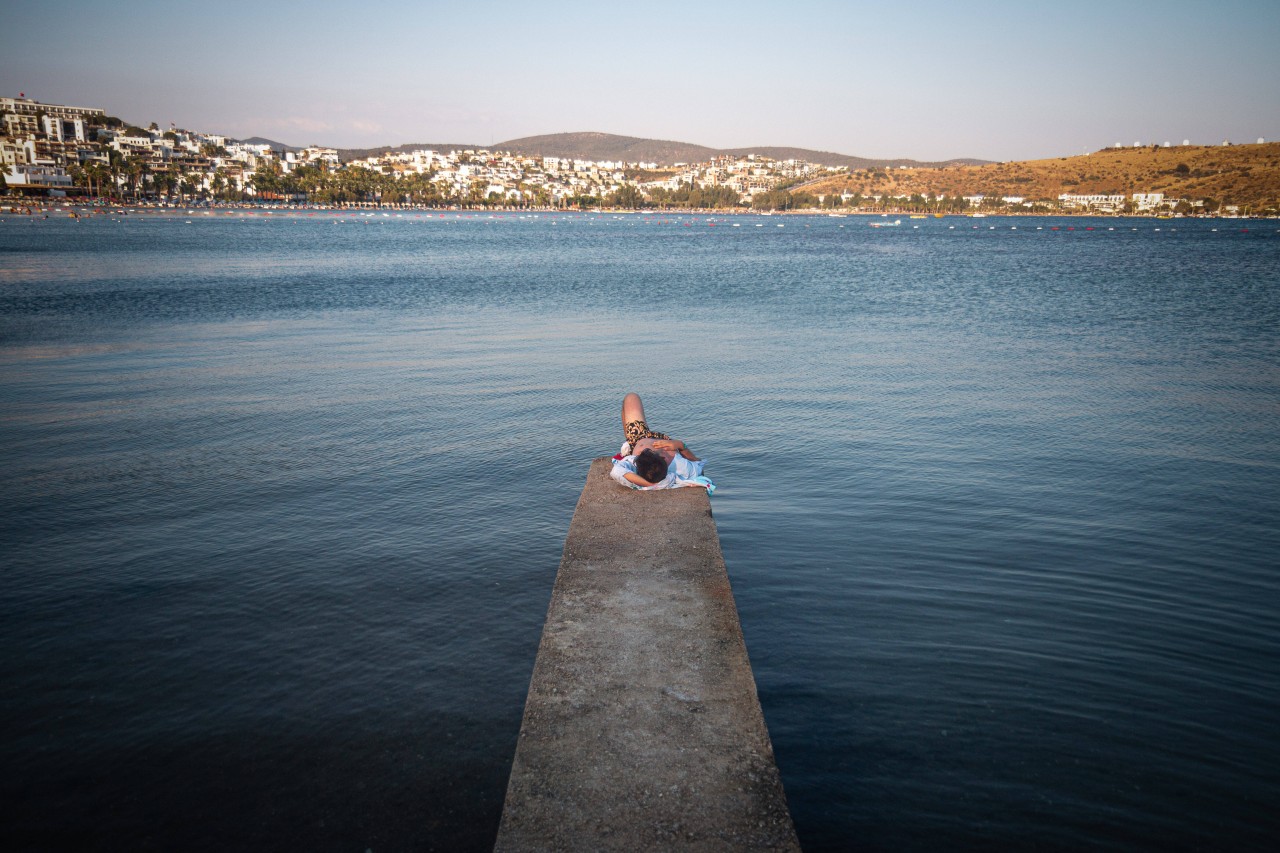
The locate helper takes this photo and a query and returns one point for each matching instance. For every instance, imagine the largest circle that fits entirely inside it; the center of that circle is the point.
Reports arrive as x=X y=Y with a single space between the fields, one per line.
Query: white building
x=31 y=175
x=1091 y=202
x=316 y=154
x=131 y=144
x=1147 y=201
x=63 y=129
x=16 y=124
x=26 y=106
x=17 y=151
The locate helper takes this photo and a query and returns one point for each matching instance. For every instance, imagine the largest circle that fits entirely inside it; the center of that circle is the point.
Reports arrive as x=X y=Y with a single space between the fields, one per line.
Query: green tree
x=165 y=183
x=193 y=182
x=774 y=199
x=78 y=176
x=136 y=168
x=267 y=177
x=627 y=196
x=95 y=173
x=115 y=164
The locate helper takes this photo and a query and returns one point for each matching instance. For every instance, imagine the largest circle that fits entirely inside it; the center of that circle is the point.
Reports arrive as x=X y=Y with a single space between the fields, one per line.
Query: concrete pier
x=642 y=730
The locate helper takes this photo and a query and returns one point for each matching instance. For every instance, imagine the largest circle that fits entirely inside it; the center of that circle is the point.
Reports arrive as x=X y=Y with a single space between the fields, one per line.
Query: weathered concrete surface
x=642 y=730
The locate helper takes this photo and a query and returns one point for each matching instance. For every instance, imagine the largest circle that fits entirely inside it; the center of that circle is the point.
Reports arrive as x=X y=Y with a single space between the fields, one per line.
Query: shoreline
x=98 y=207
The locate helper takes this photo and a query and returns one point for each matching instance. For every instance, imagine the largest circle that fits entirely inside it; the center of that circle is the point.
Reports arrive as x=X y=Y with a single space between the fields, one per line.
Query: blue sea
x=285 y=495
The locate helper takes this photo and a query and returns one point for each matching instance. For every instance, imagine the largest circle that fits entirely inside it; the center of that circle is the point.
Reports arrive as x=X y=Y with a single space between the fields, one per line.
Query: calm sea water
x=285 y=496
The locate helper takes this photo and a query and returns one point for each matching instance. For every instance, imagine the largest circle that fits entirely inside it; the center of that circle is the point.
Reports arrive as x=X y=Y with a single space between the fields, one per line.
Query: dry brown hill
x=1234 y=174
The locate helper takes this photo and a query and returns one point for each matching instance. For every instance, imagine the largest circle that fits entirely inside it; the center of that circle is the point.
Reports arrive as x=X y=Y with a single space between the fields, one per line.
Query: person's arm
x=636 y=479
x=676 y=445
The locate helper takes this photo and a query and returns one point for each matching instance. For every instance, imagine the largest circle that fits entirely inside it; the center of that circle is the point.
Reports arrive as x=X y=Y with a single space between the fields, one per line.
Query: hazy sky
x=928 y=80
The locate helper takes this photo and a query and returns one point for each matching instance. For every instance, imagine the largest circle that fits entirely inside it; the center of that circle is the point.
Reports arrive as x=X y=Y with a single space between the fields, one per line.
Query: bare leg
x=632 y=409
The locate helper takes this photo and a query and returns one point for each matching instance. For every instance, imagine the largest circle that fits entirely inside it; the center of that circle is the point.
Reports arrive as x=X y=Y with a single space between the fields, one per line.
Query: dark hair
x=651 y=465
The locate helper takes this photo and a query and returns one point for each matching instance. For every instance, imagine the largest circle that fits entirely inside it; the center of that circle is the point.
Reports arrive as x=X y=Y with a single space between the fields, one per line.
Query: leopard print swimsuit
x=636 y=430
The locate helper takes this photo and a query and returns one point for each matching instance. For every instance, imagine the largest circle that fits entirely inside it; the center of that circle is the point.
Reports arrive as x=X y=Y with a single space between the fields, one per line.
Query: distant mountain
x=827 y=158
x=346 y=155
x=607 y=146
x=630 y=149
x=275 y=146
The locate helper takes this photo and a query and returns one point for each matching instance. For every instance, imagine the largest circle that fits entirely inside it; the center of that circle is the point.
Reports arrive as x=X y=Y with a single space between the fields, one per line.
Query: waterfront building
x=1101 y=203
x=1147 y=201
x=38 y=175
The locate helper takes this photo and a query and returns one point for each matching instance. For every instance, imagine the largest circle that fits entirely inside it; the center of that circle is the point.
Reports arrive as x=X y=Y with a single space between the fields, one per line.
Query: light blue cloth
x=681 y=472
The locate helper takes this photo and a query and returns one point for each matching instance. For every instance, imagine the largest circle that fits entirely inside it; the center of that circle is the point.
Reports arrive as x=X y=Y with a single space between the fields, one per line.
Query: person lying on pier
x=651 y=459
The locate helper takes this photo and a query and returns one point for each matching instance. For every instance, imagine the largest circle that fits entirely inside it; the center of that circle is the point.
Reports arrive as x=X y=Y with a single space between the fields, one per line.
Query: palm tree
x=166 y=182
x=266 y=178
x=193 y=182
x=136 y=168
x=391 y=189
x=115 y=160
x=78 y=175
x=95 y=173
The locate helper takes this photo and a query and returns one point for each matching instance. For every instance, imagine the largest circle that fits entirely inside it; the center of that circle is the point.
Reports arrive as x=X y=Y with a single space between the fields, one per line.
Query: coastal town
x=64 y=151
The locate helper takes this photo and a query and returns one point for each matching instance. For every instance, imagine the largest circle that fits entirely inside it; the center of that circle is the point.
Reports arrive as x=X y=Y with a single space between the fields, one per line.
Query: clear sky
x=928 y=80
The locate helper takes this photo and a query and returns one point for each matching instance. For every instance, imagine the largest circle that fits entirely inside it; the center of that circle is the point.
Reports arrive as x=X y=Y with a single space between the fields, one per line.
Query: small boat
x=885 y=224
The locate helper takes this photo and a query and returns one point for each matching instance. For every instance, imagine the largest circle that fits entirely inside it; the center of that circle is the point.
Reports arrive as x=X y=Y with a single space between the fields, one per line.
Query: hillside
x=631 y=149
x=1236 y=174
x=275 y=146
x=827 y=158
x=346 y=155
x=607 y=146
